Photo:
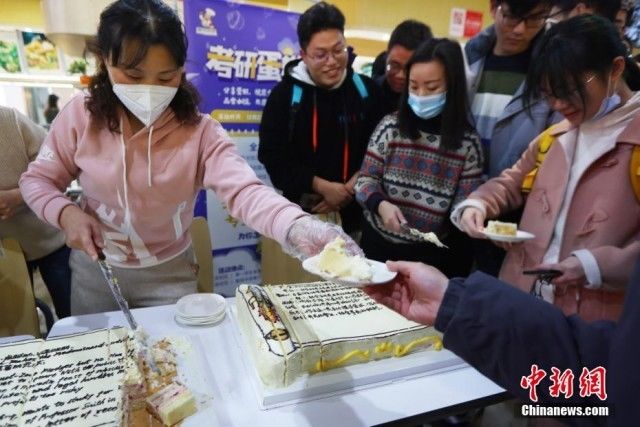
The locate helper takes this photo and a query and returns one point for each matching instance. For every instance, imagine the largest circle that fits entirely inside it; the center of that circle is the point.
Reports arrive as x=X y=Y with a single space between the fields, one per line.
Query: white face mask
x=609 y=103
x=146 y=102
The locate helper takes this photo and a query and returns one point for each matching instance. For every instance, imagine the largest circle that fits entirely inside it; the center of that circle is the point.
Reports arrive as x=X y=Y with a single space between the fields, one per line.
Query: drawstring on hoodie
x=124 y=164
x=124 y=172
x=149 y=157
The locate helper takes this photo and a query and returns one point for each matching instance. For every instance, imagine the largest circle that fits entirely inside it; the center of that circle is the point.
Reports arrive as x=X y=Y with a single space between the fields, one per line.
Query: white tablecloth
x=235 y=403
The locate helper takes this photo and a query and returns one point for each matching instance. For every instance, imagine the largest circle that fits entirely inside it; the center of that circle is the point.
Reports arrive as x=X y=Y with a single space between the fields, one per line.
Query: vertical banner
x=237 y=53
x=464 y=23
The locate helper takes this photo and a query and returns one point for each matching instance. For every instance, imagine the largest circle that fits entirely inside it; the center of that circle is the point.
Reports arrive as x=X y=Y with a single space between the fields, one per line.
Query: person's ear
x=618 y=67
x=493 y=7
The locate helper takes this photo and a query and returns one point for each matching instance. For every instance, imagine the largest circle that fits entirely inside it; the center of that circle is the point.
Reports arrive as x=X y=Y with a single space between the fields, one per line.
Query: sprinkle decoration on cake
x=306 y=328
x=502 y=228
x=337 y=263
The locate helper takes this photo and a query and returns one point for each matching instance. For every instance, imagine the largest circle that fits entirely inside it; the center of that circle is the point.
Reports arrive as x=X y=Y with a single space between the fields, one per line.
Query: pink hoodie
x=142 y=187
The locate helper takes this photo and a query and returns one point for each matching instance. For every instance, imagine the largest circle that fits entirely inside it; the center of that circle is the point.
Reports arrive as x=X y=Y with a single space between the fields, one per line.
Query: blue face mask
x=609 y=103
x=428 y=106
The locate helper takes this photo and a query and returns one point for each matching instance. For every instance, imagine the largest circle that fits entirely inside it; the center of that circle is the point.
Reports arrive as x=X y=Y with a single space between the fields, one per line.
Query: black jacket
x=286 y=136
x=502 y=331
x=390 y=99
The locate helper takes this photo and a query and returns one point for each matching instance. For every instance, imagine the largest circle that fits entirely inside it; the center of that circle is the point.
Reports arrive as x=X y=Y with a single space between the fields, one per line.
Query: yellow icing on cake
x=398 y=350
x=325 y=365
x=384 y=347
x=401 y=350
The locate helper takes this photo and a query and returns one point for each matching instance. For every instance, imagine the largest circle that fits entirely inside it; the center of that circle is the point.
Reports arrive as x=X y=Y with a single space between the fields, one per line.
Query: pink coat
x=142 y=186
x=604 y=217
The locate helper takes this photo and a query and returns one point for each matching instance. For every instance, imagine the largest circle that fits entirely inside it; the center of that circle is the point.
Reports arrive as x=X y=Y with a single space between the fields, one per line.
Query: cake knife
x=107 y=272
x=427 y=237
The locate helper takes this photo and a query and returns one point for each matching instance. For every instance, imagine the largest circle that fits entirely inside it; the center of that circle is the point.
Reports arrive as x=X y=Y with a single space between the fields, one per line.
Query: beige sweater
x=20 y=140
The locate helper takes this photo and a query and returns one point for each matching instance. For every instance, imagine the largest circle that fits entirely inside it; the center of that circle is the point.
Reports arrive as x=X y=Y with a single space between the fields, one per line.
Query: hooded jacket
x=142 y=187
x=345 y=122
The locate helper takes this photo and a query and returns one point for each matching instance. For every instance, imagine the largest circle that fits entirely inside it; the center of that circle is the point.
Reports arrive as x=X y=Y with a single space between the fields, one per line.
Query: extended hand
x=391 y=215
x=572 y=272
x=472 y=222
x=416 y=292
x=335 y=194
x=82 y=231
x=308 y=236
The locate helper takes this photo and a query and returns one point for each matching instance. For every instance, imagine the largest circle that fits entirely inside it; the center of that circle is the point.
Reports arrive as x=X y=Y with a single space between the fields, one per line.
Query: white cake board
x=343 y=380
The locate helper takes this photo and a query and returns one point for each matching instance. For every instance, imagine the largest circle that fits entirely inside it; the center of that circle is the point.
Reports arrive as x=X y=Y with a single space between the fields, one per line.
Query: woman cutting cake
x=574 y=180
x=142 y=151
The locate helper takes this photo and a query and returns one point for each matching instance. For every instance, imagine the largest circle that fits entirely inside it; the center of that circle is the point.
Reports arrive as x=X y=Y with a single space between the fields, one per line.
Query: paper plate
x=520 y=236
x=201 y=306
x=198 y=322
x=381 y=273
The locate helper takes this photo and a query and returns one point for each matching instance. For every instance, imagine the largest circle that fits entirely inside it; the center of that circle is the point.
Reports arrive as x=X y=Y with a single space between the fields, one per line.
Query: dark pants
x=454 y=261
x=56 y=274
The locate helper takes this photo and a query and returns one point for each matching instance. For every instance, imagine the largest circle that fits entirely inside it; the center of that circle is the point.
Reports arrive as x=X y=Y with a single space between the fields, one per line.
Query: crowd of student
x=535 y=121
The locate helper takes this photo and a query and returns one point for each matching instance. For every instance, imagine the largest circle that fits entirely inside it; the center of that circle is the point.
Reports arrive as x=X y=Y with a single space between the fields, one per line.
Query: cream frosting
x=291 y=330
x=337 y=263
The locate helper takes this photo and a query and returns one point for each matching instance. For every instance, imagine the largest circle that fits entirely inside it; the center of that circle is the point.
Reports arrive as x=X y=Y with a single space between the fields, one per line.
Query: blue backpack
x=296 y=97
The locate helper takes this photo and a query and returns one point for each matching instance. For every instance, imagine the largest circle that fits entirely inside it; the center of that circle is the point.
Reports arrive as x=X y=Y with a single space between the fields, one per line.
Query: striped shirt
x=500 y=80
x=423 y=180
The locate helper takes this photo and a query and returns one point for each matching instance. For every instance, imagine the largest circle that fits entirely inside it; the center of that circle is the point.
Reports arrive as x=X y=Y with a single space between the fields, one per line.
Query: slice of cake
x=336 y=262
x=291 y=330
x=172 y=404
x=502 y=228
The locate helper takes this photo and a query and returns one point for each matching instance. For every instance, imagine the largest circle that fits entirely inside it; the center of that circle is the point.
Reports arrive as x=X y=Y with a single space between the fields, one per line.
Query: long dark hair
x=456 y=113
x=145 y=23
x=571 y=48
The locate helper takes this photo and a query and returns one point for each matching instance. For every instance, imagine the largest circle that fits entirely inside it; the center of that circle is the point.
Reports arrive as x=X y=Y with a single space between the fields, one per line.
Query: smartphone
x=541 y=272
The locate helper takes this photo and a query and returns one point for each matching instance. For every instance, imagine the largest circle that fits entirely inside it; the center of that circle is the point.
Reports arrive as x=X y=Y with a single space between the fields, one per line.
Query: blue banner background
x=237 y=53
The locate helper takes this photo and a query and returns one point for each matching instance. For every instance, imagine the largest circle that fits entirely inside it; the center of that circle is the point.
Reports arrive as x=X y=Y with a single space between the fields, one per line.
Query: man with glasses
x=405 y=38
x=317 y=121
x=498 y=59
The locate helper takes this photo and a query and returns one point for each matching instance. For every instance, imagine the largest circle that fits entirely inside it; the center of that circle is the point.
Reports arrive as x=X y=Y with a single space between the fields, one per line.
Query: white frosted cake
x=291 y=330
x=92 y=379
x=75 y=379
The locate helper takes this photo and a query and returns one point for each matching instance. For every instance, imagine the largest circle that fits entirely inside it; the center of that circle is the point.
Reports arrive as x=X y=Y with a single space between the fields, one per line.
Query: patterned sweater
x=418 y=177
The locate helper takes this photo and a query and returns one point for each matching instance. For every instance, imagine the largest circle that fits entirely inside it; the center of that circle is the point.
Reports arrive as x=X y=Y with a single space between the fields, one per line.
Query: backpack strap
x=296 y=97
x=362 y=89
x=634 y=171
x=545 y=142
